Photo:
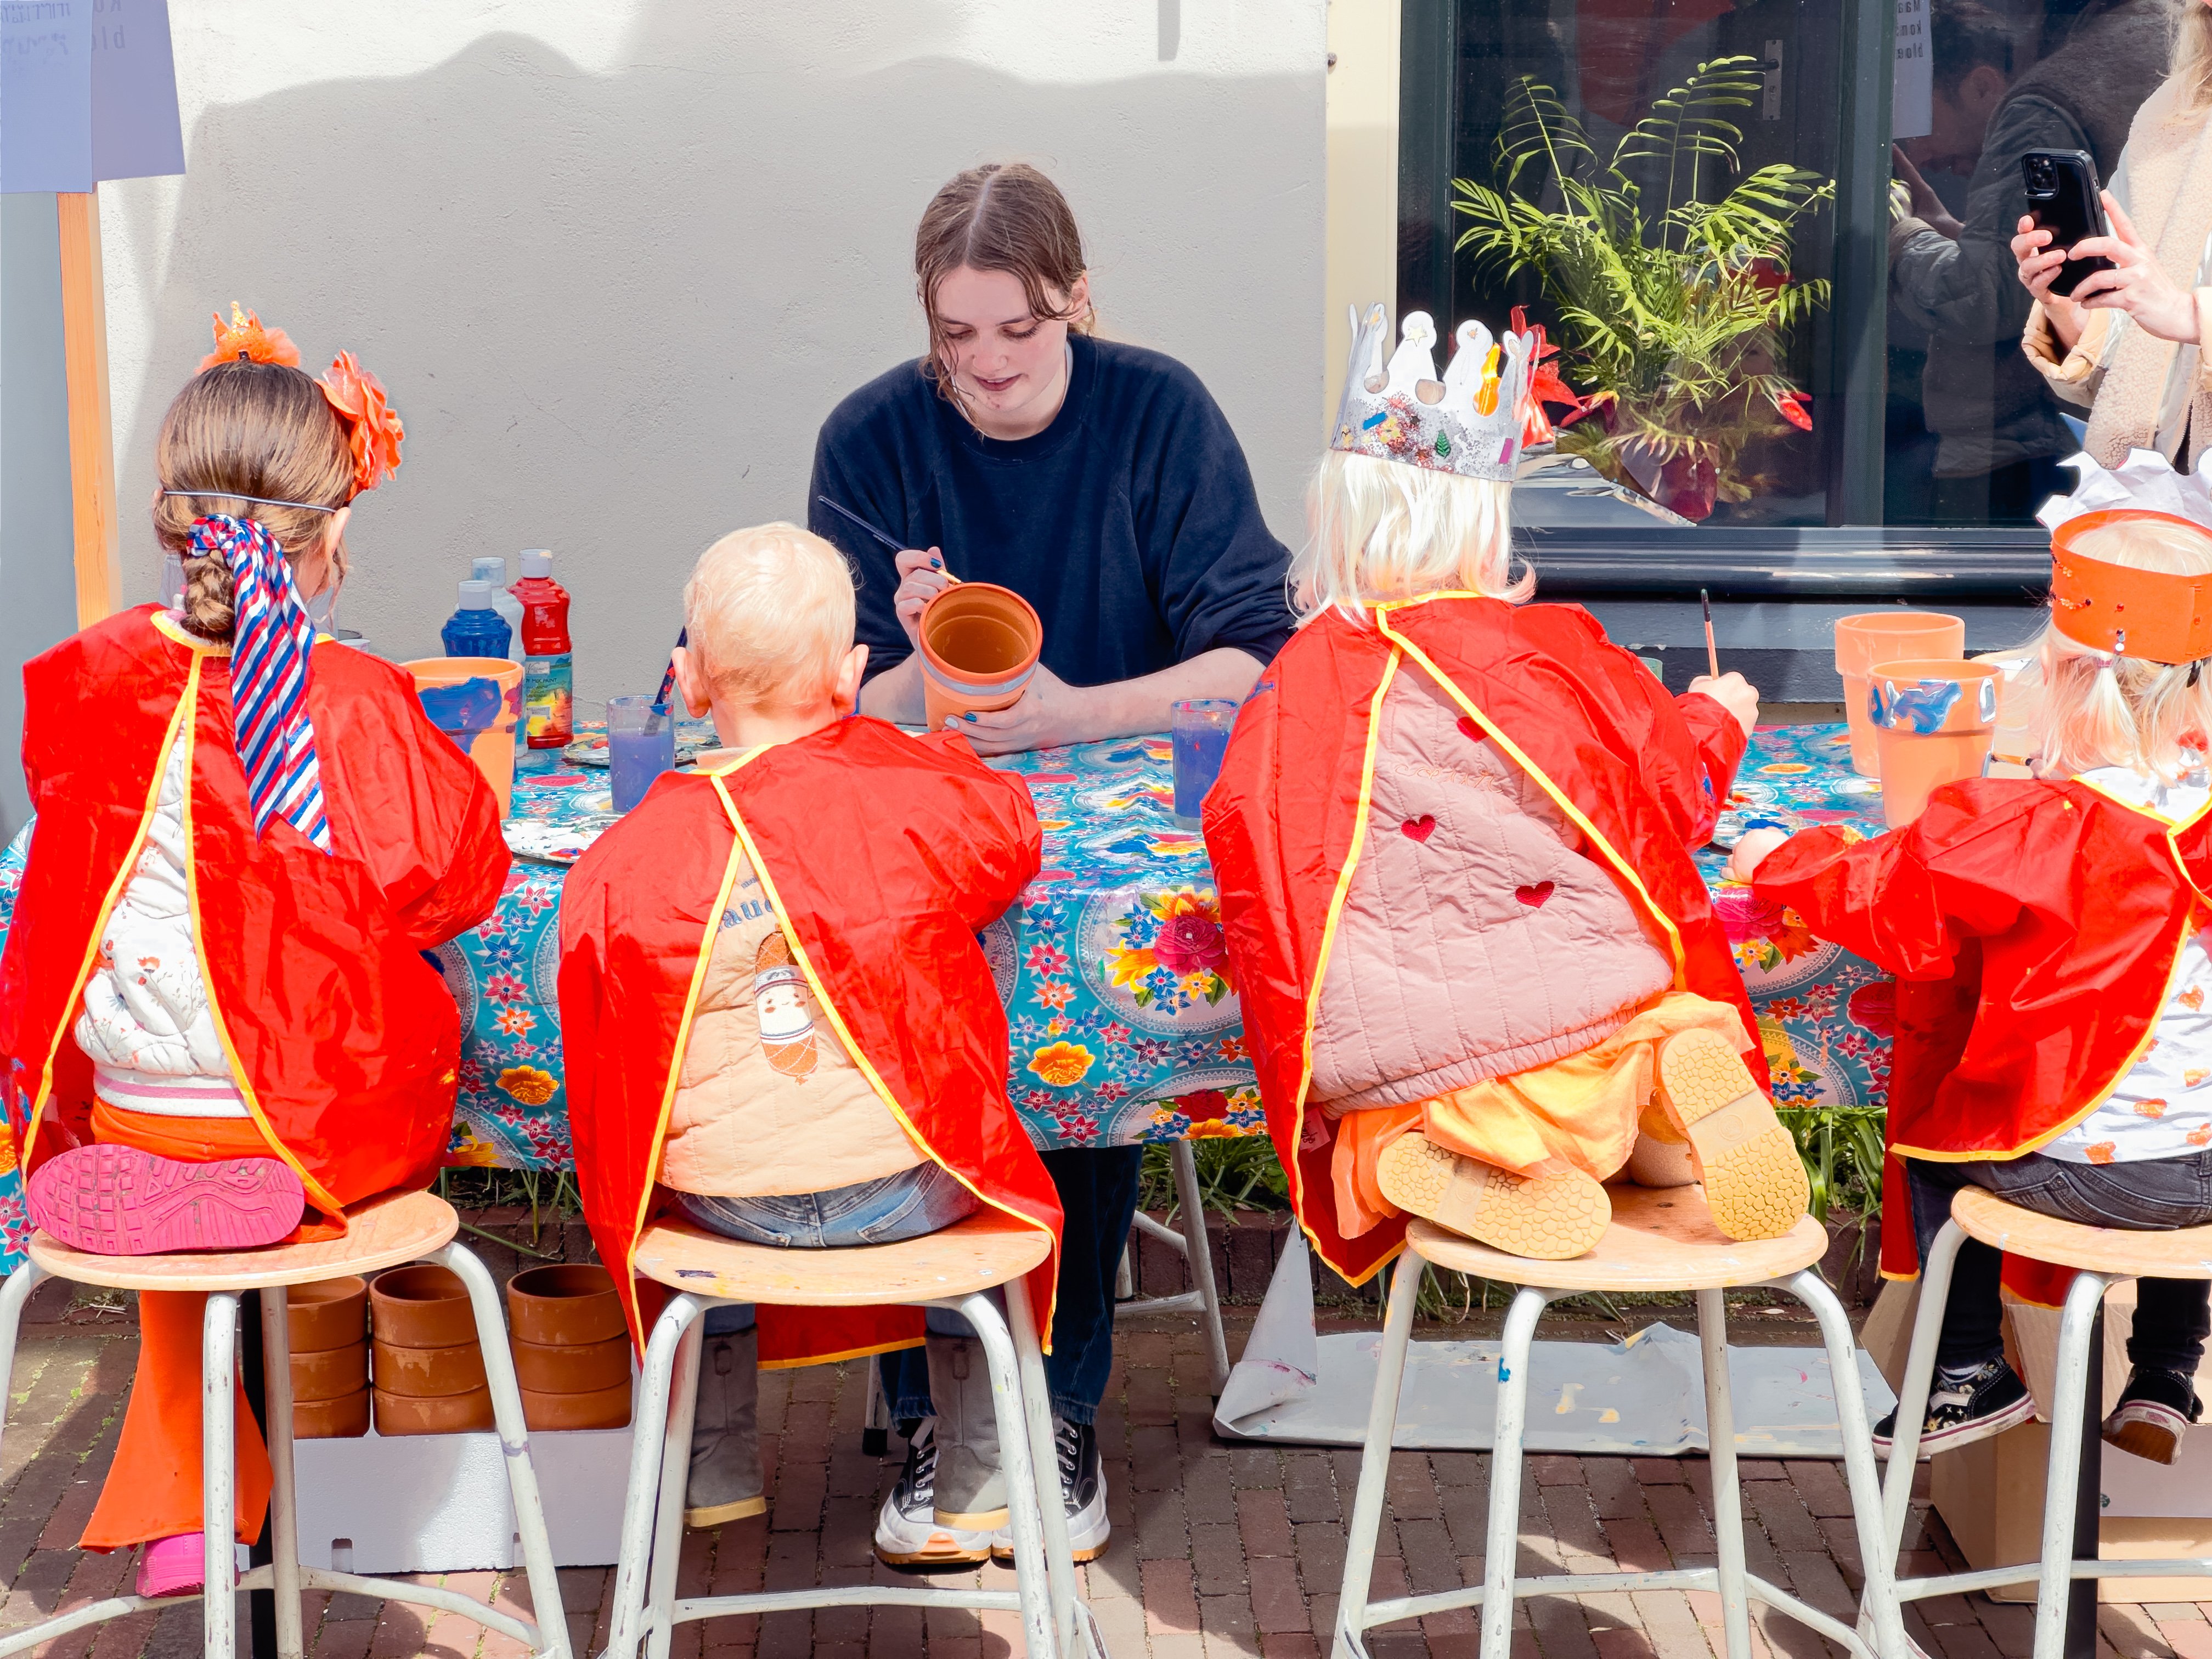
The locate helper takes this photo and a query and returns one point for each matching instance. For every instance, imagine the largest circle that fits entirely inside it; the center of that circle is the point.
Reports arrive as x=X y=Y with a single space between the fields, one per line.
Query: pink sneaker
x=174 y=1565
x=118 y=1200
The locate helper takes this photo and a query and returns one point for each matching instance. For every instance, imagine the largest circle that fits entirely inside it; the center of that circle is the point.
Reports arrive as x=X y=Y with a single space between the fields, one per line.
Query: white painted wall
x=615 y=259
x=1362 y=265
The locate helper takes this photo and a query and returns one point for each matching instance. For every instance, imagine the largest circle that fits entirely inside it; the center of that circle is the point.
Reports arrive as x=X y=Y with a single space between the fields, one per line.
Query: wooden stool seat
x=2116 y=1252
x=383 y=1231
x=987 y=1250
x=1661 y=1239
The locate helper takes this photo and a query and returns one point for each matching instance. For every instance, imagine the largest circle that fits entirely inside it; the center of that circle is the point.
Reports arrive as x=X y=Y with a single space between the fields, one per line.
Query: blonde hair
x=2192 y=57
x=247 y=428
x=769 y=612
x=1382 y=529
x=2098 y=710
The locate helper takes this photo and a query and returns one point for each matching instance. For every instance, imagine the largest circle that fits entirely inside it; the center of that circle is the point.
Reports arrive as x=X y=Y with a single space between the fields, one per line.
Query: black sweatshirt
x=1130 y=522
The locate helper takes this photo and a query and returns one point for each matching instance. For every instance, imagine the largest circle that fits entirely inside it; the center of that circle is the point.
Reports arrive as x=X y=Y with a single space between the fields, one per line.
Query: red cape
x=1642 y=774
x=883 y=855
x=342 y=1038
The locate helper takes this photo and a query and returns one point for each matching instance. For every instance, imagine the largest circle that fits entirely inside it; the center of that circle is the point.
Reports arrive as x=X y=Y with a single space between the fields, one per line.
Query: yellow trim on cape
x=844 y=1035
x=168 y=628
x=834 y=1358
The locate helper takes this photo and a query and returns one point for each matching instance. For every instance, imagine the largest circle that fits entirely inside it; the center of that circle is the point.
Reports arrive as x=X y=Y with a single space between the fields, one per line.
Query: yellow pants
x=1584 y=1112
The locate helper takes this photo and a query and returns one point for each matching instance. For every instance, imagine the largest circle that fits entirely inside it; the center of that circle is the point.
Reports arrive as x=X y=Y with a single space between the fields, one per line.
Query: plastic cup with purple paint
x=640 y=746
x=1198 y=736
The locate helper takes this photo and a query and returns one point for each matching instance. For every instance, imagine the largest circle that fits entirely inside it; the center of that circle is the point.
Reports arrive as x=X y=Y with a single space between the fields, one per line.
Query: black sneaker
x=1988 y=1402
x=2152 y=1415
x=907 y=1533
x=1082 y=1492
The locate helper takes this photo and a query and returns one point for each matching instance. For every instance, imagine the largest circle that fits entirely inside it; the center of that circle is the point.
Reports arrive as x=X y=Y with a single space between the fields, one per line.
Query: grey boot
x=970 y=1491
x=726 y=1481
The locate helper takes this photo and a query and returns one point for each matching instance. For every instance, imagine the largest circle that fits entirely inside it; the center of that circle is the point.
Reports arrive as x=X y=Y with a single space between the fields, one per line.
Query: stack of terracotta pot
x=329 y=1325
x=429 y=1376
x=571 y=1348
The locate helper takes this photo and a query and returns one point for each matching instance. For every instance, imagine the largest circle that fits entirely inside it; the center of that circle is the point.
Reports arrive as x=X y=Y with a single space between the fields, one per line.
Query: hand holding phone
x=2063 y=198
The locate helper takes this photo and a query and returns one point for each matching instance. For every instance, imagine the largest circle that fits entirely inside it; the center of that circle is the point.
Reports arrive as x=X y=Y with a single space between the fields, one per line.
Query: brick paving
x=1217 y=1549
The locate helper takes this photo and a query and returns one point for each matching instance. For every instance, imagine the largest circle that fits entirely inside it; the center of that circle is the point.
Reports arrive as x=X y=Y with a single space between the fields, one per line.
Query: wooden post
x=91 y=433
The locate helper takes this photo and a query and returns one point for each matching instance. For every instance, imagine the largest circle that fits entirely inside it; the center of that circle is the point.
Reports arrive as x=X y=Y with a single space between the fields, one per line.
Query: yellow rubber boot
x=1548 y=1217
x=1755 y=1181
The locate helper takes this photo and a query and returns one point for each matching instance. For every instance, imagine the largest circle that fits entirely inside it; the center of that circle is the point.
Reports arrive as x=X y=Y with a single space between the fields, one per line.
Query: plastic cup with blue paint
x=1198 y=736
x=640 y=746
x=475 y=702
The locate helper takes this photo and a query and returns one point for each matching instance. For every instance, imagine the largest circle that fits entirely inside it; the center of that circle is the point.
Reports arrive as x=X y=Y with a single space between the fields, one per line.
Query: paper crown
x=2148 y=615
x=1469 y=423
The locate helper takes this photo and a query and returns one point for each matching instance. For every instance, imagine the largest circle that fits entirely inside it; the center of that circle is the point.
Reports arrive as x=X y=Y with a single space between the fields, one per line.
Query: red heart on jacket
x=1534 y=896
x=1467 y=724
x=1420 y=829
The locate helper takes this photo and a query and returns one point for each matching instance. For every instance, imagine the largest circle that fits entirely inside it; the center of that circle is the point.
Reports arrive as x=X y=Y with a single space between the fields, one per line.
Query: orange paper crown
x=373 y=429
x=2148 y=615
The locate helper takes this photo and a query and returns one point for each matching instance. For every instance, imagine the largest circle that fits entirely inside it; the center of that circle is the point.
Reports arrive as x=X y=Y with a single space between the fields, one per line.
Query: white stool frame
x=1054 y=1618
x=1188 y=1237
x=1736 y=1586
x=2057 y=1567
x=218 y=1475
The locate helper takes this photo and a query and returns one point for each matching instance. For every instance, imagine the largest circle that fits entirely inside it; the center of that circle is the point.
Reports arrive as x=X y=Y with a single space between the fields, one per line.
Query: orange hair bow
x=373 y=428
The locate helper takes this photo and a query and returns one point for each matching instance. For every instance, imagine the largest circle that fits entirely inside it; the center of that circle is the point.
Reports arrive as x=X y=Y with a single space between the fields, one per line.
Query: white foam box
x=439 y=1503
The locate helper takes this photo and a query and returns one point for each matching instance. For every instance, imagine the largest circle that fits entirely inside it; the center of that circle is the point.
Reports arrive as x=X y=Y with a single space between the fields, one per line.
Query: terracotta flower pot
x=333 y=1313
x=475 y=702
x=452 y=1414
x=572 y=1368
x=1874 y=636
x=429 y=1373
x=564 y=1306
x=343 y=1419
x=601 y=1408
x=332 y=1373
x=979 y=648
x=1934 y=721
x=421 y=1307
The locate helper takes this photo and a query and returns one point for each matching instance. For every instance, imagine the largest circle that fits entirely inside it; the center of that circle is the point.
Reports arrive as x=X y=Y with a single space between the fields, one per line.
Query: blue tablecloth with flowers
x=1122 y=1009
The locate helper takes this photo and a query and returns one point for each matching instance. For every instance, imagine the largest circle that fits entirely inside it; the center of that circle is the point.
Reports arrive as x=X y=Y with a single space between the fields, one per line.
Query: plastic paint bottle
x=549 y=674
x=494 y=570
x=475 y=629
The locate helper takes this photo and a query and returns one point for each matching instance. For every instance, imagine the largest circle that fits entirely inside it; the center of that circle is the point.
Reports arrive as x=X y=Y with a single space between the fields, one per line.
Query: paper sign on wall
x=88 y=91
x=1912 y=86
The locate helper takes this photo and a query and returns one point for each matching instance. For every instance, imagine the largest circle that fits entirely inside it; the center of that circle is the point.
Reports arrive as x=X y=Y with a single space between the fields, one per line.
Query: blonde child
x=214 y=1007
x=779 y=1024
x=1453 y=835
x=2065 y=911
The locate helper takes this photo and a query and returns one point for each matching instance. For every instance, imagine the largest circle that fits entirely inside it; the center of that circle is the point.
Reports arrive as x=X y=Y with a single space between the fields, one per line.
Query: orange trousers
x=154 y=1488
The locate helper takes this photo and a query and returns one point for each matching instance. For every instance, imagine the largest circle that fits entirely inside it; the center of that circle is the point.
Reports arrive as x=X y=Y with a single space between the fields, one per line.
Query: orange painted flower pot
x=1875 y=637
x=1933 y=721
x=979 y=650
x=475 y=702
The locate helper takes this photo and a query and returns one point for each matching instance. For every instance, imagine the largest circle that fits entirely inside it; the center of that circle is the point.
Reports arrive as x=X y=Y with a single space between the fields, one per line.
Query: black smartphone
x=2063 y=199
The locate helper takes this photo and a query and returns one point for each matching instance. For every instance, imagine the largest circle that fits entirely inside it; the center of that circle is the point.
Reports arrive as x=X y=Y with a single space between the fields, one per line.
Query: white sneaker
x=907 y=1533
x=1082 y=1492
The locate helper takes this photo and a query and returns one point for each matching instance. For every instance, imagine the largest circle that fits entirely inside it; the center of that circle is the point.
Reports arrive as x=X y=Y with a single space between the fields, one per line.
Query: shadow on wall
x=613 y=309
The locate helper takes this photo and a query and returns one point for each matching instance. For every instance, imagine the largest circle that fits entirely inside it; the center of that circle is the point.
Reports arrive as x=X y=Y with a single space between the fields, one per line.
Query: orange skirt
x=1584 y=1112
x=154 y=1488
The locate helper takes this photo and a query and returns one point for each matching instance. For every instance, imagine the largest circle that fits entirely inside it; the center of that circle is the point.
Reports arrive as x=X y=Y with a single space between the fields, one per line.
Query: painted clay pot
x=572 y=1368
x=566 y=1306
x=343 y=1419
x=1933 y=724
x=451 y=1413
x=332 y=1373
x=421 y=1307
x=429 y=1373
x=979 y=650
x=475 y=702
x=1874 y=636
x=333 y=1313
x=599 y=1408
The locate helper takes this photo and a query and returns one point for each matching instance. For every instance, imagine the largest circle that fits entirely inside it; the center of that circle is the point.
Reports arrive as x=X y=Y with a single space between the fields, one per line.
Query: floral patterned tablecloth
x=1123 y=1012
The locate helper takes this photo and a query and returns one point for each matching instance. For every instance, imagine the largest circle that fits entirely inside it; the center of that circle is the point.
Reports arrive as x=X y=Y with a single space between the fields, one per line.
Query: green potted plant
x=1674 y=308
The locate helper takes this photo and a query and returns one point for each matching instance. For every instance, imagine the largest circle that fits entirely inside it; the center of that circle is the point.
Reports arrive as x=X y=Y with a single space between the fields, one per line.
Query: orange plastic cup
x=475 y=702
x=979 y=649
x=1933 y=721
x=1874 y=636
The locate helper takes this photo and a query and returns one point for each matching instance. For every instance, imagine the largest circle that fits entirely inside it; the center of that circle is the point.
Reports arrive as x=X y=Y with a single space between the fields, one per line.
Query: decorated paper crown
x=372 y=426
x=1469 y=423
x=2145 y=614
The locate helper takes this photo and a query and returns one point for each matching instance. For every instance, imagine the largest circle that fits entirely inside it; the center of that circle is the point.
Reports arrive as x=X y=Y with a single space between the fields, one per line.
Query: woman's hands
x=1751 y=852
x=1733 y=693
x=1050 y=711
x=2136 y=284
x=1927 y=206
x=921 y=579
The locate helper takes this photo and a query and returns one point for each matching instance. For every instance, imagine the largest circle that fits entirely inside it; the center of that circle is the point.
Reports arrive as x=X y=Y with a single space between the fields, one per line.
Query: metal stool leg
x=1032 y=1576
x=1374 y=1459
x=1044 y=1462
x=284 y=1515
x=2076 y=1362
x=15 y=1291
x=1912 y=1395
x=1191 y=1216
x=1728 y=1491
x=641 y=1499
x=675 y=1476
x=1502 y=1538
x=218 y=1475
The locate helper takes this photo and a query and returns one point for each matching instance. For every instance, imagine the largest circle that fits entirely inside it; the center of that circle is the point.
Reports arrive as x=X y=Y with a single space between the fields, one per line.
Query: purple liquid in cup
x=1199 y=736
x=640 y=746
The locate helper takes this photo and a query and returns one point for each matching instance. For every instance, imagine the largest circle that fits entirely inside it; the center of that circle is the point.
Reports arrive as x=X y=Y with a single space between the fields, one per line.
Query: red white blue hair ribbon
x=269 y=677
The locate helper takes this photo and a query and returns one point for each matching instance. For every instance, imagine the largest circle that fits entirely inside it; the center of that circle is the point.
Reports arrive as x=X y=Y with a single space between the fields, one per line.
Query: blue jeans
x=1098 y=1196
x=882 y=1212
